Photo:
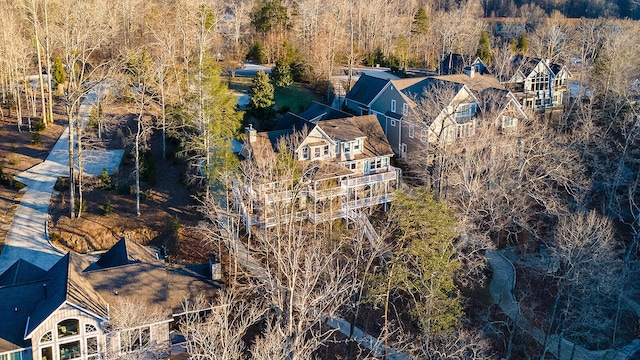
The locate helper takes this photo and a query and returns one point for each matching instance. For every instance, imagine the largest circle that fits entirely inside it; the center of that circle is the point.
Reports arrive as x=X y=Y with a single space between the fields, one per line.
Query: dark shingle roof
x=366 y=89
x=317 y=111
x=125 y=252
x=21 y=272
x=17 y=302
x=68 y=285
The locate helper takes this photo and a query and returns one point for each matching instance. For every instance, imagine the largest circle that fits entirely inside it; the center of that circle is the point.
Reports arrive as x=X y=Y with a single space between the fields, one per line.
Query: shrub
x=62 y=184
x=105 y=180
x=36 y=139
x=107 y=208
x=76 y=206
x=124 y=189
x=37 y=126
x=15 y=161
x=176 y=225
x=145 y=194
x=17 y=185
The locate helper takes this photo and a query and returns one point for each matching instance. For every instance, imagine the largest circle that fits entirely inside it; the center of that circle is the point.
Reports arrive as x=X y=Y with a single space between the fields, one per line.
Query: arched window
x=89 y=328
x=68 y=327
x=48 y=336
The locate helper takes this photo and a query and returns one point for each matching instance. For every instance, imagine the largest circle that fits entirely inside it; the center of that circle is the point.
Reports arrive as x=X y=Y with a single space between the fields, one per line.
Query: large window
x=92 y=348
x=465 y=110
x=70 y=350
x=378 y=164
x=131 y=340
x=68 y=327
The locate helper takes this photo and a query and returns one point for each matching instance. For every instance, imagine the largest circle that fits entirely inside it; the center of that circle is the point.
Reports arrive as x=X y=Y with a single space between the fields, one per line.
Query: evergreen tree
x=261 y=96
x=523 y=45
x=484 y=49
x=57 y=72
x=281 y=75
x=420 y=24
x=256 y=53
x=423 y=263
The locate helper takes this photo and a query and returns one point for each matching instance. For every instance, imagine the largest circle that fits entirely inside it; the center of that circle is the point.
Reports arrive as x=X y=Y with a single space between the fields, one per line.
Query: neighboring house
x=537 y=83
x=345 y=165
x=66 y=312
x=453 y=63
x=416 y=111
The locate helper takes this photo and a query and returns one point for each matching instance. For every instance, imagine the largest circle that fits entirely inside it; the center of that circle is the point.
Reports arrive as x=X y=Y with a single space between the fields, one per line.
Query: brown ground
x=17 y=154
x=167 y=215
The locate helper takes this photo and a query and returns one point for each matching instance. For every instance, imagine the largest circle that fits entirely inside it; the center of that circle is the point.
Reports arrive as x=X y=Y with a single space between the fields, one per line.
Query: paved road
x=27 y=237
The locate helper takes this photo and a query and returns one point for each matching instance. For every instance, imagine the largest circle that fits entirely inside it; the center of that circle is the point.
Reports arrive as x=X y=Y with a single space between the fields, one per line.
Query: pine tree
x=484 y=49
x=420 y=24
x=261 y=97
x=423 y=263
x=281 y=75
x=523 y=45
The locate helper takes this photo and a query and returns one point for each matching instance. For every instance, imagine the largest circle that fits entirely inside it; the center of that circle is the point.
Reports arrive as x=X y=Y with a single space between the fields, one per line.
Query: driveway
x=27 y=237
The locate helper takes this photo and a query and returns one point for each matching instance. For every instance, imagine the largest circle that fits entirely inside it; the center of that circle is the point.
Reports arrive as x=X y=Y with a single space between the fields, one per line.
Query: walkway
x=501 y=288
x=27 y=237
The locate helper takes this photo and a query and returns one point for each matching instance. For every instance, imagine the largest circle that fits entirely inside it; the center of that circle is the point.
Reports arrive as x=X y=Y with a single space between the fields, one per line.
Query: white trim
x=21 y=350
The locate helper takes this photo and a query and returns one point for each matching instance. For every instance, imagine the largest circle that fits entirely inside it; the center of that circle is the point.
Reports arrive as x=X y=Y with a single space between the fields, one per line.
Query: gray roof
x=29 y=295
x=317 y=111
x=366 y=89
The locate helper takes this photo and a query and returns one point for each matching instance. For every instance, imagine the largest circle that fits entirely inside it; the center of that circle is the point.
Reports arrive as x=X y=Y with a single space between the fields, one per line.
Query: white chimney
x=251 y=133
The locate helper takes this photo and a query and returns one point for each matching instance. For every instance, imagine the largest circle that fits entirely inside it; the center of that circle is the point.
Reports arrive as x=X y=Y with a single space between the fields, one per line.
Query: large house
x=438 y=109
x=537 y=83
x=343 y=163
x=67 y=312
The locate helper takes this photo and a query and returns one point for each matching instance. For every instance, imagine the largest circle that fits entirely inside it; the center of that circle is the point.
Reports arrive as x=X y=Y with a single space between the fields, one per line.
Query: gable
x=367 y=89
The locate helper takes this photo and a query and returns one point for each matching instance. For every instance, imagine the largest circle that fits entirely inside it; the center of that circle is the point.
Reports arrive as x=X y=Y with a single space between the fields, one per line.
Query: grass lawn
x=296 y=97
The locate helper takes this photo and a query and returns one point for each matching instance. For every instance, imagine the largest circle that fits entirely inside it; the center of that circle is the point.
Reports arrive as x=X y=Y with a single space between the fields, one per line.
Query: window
x=68 y=327
x=393 y=123
x=412 y=131
x=316 y=152
x=404 y=150
x=508 y=121
x=48 y=336
x=46 y=353
x=337 y=149
x=465 y=110
x=393 y=106
x=405 y=109
x=12 y=356
x=377 y=164
x=424 y=134
x=351 y=165
x=356 y=145
x=89 y=328
x=305 y=153
x=70 y=350
x=325 y=150
x=92 y=347
x=131 y=340
x=347 y=147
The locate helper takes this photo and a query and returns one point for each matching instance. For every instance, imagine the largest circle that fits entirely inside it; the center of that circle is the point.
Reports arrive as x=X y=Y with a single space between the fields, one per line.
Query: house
x=67 y=312
x=451 y=64
x=537 y=83
x=414 y=112
x=344 y=165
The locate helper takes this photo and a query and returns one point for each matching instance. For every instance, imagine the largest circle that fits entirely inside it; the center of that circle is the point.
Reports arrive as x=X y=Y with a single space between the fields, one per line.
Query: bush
x=36 y=139
x=124 y=189
x=15 y=161
x=145 y=194
x=148 y=171
x=62 y=184
x=107 y=208
x=176 y=225
x=37 y=126
x=105 y=180
x=76 y=206
x=17 y=185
